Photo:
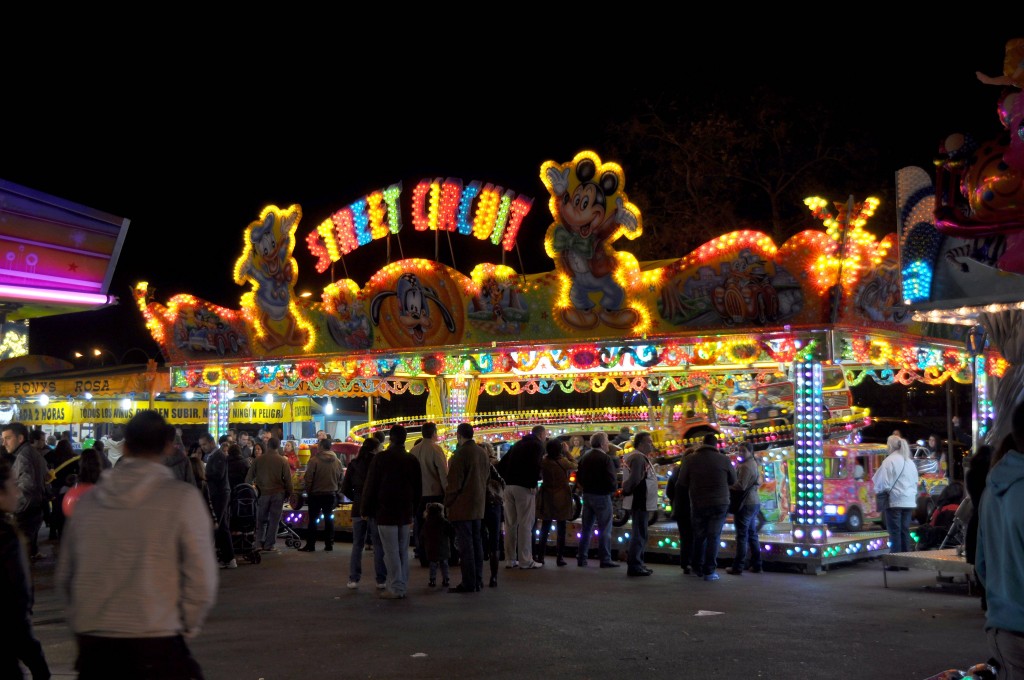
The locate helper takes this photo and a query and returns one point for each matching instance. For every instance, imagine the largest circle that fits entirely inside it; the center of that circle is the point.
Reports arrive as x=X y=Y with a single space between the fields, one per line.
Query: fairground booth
x=696 y=339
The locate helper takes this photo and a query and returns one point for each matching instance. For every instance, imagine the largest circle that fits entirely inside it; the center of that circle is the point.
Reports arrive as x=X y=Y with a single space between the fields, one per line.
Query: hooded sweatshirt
x=1001 y=544
x=137 y=557
x=323 y=474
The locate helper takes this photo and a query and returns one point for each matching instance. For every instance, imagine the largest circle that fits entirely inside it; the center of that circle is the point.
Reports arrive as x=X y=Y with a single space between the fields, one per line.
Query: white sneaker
x=511 y=564
x=381 y=586
x=352 y=585
x=233 y=564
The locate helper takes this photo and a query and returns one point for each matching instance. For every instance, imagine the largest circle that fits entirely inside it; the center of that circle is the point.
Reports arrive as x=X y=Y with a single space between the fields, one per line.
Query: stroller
x=243 y=523
x=285 y=530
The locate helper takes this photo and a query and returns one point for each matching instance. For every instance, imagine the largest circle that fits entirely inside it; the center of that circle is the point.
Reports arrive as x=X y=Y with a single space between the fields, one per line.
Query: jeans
x=268 y=518
x=520 y=508
x=637 y=541
x=395 y=542
x=361 y=530
x=684 y=525
x=597 y=508
x=471 y=552
x=321 y=514
x=746 y=537
x=707 y=532
x=897 y=522
x=444 y=570
x=29 y=521
x=545 y=531
x=490 y=531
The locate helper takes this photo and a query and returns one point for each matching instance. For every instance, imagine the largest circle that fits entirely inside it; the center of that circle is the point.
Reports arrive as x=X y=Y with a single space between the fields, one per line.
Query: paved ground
x=292 y=617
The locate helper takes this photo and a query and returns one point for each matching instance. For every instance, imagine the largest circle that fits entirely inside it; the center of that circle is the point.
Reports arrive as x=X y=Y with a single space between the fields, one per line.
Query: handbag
x=882 y=497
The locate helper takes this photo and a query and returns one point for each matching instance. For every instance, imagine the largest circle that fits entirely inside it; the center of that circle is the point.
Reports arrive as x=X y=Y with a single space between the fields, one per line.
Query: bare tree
x=701 y=169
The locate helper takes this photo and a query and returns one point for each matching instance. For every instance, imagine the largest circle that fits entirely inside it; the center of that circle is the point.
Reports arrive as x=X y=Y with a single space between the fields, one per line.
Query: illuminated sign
x=483 y=210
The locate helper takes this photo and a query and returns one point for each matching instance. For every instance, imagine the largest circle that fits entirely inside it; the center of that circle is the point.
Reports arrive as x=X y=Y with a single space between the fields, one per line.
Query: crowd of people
x=471 y=510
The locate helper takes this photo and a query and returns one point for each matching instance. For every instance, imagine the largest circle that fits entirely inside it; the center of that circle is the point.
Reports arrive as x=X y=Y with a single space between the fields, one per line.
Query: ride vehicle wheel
x=854 y=520
x=620 y=516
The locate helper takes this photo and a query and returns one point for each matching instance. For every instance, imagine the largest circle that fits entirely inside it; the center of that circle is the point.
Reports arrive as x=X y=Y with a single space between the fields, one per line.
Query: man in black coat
x=218 y=486
x=391 y=495
x=520 y=468
x=707 y=474
x=596 y=477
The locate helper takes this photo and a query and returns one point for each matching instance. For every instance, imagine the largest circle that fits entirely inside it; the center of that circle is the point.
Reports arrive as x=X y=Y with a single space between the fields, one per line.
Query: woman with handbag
x=555 y=500
x=895 y=483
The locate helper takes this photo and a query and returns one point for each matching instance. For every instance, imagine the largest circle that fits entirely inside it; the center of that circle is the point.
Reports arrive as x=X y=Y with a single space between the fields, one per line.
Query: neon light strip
x=17 y=274
x=40 y=295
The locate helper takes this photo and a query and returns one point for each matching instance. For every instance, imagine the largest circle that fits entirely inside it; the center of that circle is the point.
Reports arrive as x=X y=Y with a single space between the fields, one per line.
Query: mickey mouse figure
x=582 y=237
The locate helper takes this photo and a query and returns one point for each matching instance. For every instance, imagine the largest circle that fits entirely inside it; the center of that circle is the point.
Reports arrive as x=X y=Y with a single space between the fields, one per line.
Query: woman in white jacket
x=897 y=475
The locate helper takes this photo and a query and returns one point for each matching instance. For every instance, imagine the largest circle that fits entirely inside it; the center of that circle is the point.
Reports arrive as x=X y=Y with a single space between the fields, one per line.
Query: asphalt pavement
x=291 y=616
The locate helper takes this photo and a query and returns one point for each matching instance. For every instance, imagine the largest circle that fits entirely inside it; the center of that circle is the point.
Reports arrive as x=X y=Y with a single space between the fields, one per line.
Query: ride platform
x=777 y=544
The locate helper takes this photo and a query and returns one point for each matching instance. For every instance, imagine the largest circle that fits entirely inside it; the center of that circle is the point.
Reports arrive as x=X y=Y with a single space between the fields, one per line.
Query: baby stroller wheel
x=256 y=558
x=292 y=543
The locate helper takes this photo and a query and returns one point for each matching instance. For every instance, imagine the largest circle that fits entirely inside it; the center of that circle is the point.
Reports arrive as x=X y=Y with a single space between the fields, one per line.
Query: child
x=435 y=535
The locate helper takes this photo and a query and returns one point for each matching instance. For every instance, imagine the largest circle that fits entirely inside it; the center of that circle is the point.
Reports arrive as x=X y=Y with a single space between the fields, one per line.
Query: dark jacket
x=678 y=494
x=218 y=484
x=16 y=606
x=707 y=474
x=355 y=478
x=555 y=499
x=521 y=465
x=436 y=533
x=393 y=487
x=238 y=468
x=323 y=474
x=180 y=465
x=596 y=473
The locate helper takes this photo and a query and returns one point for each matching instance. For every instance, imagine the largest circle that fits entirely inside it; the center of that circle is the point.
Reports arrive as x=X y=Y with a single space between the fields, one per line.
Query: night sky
x=192 y=158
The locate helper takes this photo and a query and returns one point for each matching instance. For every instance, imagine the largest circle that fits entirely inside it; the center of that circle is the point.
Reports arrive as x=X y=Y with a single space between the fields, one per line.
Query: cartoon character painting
x=347 y=321
x=414 y=302
x=267 y=264
x=499 y=306
x=591 y=212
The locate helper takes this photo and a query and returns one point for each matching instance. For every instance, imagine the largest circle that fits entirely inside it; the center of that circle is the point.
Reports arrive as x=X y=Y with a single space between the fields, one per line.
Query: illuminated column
x=220 y=406
x=809 y=436
x=455 y=406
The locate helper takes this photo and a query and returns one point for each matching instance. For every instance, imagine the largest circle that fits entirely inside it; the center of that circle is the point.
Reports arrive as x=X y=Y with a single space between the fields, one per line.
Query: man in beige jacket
x=434 y=475
x=273 y=479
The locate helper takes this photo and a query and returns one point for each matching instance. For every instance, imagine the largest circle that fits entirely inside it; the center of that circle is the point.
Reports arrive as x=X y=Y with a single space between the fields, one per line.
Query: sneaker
x=734 y=571
x=271 y=550
x=352 y=585
x=511 y=564
x=712 y=577
x=233 y=564
x=445 y=583
x=431 y=583
x=391 y=595
x=533 y=565
x=755 y=570
x=610 y=565
x=380 y=586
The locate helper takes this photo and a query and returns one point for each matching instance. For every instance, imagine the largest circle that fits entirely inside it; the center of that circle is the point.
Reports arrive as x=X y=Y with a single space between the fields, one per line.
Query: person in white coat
x=897 y=477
